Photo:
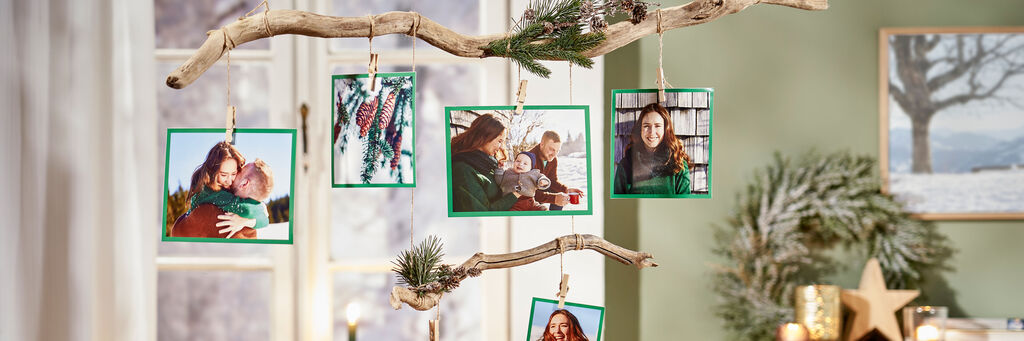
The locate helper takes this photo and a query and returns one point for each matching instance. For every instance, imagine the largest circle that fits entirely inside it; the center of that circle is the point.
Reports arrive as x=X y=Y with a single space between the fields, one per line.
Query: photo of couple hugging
x=228 y=197
x=495 y=167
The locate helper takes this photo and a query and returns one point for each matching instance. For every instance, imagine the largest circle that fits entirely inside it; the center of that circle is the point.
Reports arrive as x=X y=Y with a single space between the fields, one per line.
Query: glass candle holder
x=818 y=309
x=924 y=323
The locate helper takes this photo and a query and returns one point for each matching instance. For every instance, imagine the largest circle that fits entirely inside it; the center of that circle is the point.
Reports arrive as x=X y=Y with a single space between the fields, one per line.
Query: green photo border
x=533 y=307
x=611 y=144
x=330 y=128
x=448 y=152
x=291 y=190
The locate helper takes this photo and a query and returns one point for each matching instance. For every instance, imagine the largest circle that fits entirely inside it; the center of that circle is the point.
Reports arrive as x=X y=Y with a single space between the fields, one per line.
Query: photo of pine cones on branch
x=382 y=118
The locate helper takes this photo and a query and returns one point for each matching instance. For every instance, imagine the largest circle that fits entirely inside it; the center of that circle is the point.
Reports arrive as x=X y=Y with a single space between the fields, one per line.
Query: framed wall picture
x=951 y=104
x=661 y=150
x=574 y=322
x=238 y=192
x=505 y=164
x=372 y=130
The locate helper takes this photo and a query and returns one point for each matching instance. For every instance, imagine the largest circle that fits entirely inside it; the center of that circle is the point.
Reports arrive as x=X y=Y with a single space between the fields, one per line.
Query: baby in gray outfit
x=523 y=179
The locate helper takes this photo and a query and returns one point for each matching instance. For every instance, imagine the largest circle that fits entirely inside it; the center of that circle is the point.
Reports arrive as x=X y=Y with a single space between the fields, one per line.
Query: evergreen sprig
x=551 y=30
x=419 y=266
x=787 y=219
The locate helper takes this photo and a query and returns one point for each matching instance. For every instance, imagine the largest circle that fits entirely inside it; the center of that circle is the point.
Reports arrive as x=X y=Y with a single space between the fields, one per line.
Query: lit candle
x=352 y=312
x=791 y=332
x=927 y=333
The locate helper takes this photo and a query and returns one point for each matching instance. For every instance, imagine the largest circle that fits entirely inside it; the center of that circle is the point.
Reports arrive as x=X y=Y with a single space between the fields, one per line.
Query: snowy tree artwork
x=372 y=130
x=505 y=164
x=952 y=116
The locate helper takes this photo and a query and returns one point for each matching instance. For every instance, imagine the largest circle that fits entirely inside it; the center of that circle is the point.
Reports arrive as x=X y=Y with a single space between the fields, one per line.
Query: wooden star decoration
x=874 y=306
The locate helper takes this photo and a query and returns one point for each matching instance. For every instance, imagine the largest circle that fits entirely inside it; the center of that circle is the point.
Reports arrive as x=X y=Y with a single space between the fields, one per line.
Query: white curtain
x=81 y=200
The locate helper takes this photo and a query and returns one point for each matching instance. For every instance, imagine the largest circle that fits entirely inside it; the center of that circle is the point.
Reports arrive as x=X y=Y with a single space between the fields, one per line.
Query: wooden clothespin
x=372 y=70
x=563 y=290
x=230 y=124
x=661 y=85
x=520 y=97
x=435 y=329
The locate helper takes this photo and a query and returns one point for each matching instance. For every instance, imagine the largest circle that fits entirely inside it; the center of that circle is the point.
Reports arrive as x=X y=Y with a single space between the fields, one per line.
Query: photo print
x=372 y=130
x=237 y=192
x=661 y=150
x=505 y=164
x=952 y=121
x=574 y=322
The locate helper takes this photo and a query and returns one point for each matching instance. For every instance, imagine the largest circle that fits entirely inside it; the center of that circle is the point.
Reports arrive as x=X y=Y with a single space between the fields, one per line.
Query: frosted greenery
x=778 y=235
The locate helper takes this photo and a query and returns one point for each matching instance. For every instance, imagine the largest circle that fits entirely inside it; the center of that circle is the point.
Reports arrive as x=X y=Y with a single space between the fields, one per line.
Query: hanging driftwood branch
x=278 y=22
x=481 y=261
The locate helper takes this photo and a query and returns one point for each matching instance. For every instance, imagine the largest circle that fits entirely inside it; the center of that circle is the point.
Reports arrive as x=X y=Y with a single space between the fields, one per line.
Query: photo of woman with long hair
x=476 y=154
x=563 y=326
x=570 y=322
x=655 y=161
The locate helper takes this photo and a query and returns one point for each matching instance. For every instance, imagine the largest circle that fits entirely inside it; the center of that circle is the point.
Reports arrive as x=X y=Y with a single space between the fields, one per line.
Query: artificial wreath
x=785 y=222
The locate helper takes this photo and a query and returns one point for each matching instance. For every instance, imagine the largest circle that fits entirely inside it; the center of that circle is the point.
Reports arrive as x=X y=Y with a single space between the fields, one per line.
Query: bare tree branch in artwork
x=970 y=68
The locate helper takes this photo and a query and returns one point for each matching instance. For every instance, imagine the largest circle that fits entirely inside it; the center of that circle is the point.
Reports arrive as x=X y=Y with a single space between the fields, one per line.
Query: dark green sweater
x=473 y=186
x=227 y=201
x=670 y=184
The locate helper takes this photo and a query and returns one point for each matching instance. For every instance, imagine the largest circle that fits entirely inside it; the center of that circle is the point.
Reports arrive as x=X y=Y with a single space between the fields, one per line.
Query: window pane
x=461 y=16
x=202 y=105
x=373 y=223
x=182 y=24
x=213 y=305
x=460 y=310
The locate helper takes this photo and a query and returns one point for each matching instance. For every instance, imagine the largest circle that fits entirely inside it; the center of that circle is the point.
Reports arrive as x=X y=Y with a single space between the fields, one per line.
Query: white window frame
x=280 y=259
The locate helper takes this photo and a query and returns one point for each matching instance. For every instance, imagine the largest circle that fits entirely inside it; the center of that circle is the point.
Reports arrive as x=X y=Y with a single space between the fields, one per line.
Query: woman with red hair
x=563 y=326
x=655 y=161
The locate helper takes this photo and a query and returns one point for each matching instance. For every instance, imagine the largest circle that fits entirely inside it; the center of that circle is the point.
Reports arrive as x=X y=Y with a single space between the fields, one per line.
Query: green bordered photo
x=661 y=150
x=373 y=129
x=245 y=186
x=571 y=323
x=534 y=163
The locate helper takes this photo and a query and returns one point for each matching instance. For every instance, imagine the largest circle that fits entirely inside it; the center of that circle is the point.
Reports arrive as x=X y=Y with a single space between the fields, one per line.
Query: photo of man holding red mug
x=558 y=195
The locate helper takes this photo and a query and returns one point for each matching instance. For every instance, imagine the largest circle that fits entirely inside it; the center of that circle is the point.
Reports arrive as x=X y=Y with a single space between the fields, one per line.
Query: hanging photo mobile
x=229 y=192
x=661 y=149
x=574 y=322
x=373 y=120
x=507 y=164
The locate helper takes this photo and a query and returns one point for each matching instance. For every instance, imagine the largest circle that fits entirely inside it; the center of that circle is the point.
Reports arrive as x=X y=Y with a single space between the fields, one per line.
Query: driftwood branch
x=481 y=261
x=278 y=22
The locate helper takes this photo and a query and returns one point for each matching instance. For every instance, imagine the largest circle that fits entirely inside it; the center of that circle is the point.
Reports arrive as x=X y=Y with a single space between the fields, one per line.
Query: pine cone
x=529 y=14
x=548 y=27
x=387 y=110
x=397 y=147
x=364 y=117
x=598 y=24
x=639 y=13
x=586 y=9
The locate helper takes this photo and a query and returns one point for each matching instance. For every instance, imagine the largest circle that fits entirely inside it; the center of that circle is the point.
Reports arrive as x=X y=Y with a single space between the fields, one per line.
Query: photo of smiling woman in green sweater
x=655 y=161
x=476 y=154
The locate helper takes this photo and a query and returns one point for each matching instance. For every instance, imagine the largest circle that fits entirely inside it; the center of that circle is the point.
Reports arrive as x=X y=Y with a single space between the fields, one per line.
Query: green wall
x=785 y=80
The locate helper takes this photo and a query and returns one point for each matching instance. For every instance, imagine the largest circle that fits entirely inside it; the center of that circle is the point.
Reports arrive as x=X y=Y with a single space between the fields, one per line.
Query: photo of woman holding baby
x=655 y=161
x=505 y=163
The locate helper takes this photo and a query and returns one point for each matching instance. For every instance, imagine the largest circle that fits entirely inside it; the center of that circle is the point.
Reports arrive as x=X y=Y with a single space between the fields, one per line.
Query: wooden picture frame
x=965 y=97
